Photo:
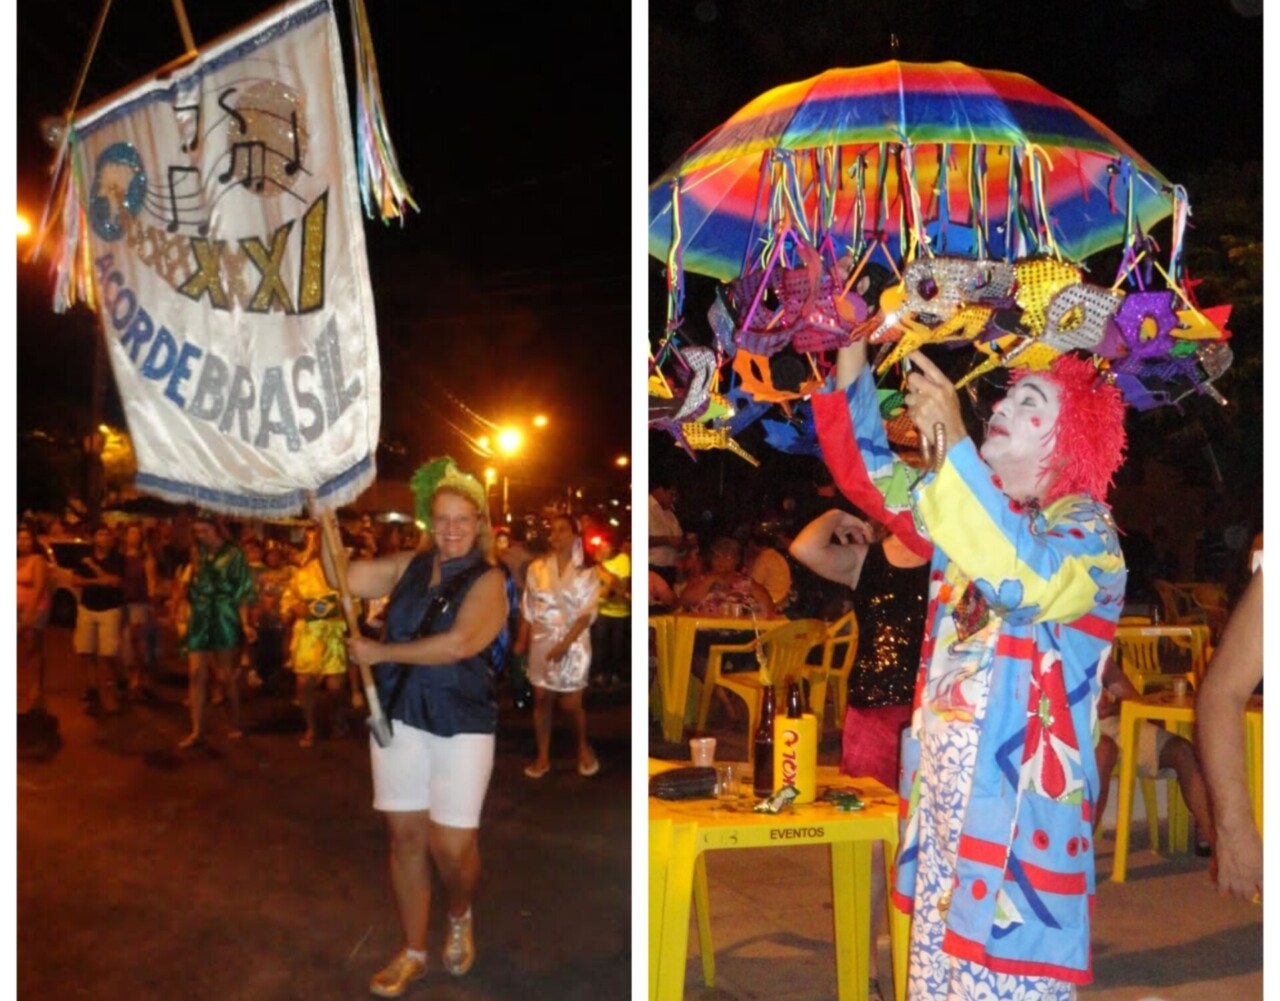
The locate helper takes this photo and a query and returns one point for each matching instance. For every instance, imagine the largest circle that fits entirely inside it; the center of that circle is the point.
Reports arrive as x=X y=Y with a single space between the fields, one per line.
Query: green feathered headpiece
x=431 y=476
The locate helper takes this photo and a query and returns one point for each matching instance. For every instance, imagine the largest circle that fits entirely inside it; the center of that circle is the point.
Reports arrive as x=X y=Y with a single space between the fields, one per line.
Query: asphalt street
x=256 y=869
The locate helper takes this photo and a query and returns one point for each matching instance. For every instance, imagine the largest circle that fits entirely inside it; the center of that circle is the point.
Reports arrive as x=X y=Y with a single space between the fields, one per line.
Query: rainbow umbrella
x=938 y=158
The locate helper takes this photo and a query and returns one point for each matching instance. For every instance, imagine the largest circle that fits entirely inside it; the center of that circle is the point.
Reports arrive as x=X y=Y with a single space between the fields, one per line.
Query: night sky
x=1180 y=80
x=507 y=294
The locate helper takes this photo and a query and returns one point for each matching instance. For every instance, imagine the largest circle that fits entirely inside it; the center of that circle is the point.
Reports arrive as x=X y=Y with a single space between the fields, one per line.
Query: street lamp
x=509 y=441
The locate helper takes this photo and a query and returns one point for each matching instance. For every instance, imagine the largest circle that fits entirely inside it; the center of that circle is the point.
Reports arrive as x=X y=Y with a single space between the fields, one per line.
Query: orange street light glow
x=509 y=441
x=540 y=421
x=24 y=227
x=621 y=461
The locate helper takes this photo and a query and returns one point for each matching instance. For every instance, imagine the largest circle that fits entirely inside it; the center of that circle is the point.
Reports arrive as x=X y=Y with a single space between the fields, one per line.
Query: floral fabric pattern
x=949 y=753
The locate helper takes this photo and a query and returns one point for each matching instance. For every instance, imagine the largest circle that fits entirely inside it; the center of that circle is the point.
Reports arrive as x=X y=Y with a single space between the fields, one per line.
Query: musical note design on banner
x=177 y=215
x=249 y=147
x=181 y=112
x=266 y=142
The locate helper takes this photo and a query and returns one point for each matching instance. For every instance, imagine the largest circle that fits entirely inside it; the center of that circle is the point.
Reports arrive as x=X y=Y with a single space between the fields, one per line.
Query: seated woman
x=725 y=591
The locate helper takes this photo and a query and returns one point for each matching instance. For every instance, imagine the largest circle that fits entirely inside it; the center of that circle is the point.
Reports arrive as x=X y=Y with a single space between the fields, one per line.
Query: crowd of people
x=244 y=606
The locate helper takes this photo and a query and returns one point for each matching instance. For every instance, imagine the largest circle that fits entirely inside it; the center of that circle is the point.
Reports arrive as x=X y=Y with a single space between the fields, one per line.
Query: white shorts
x=97 y=632
x=448 y=776
x=1151 y=741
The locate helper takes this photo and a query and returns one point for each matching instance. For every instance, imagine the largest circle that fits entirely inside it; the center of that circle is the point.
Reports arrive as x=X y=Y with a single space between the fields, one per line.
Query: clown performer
x=445 y=633
x=1027 y=582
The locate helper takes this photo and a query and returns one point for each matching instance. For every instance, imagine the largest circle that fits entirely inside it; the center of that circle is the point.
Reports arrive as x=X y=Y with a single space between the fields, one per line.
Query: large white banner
x=228 y=258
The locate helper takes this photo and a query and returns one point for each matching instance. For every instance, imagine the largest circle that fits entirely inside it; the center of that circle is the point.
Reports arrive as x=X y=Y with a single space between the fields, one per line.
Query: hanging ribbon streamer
x=379 y=173
x=1011 y=251
x=675 y=262
x=1039 y=163
x=1126 y=176
x=63 y=205
x=978 y=198
x=882 y=195
x=1181 y=213
x=943 y=196
x=828 y=187
x=859 y=175
x=794 y=196
x=1018 y=222
x=911 y=200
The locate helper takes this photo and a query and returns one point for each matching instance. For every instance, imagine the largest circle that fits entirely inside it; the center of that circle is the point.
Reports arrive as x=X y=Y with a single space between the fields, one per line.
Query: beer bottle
x=762 y=748
x=795 y=708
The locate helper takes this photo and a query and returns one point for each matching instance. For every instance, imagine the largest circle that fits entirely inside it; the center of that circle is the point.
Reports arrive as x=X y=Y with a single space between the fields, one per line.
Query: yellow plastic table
x=677 y=875
x=674 y=637
x=1253 y=733
x=1180 y=712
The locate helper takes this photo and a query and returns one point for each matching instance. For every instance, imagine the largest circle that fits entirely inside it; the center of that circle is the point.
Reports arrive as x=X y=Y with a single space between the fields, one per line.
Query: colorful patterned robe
x=1024 y=681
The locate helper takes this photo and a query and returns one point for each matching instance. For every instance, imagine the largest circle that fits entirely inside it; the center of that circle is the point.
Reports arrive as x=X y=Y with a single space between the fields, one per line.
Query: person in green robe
x=220 y=593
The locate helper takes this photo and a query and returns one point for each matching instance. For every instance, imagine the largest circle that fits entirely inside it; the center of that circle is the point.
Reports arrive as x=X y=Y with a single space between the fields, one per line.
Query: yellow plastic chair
x=838 y=650
x=1197 y=603
x=1173 y=602
x=1179 y=829
x=1137 y=651
x=786 y=650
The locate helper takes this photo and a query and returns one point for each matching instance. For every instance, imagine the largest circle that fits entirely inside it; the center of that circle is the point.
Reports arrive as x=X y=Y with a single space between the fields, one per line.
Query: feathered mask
x=430 y=477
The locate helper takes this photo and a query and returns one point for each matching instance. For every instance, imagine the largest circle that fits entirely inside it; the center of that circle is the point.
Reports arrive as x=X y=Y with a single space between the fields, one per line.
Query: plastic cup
x=1180 y=687
x=703 y=751
x=726 y=782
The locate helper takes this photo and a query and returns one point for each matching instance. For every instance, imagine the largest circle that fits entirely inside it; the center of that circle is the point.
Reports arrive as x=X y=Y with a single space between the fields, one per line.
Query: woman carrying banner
x=445 y=631
x=1027 y=583
x=220 y=592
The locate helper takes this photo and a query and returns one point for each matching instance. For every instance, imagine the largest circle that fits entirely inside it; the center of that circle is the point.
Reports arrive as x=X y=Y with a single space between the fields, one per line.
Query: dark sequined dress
x=890 y=603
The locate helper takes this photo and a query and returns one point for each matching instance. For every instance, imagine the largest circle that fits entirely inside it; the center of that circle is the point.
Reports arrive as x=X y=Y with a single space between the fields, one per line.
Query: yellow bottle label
x=795 y=755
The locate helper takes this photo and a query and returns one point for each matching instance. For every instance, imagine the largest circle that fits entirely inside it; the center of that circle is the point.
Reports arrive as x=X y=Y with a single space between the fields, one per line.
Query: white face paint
x=1020 y=437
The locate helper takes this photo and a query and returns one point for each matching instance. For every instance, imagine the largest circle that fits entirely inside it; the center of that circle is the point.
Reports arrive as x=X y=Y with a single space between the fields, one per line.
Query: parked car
x=64 y=554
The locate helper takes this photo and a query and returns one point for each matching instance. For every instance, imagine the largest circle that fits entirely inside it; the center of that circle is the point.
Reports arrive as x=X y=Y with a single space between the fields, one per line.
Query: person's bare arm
x=1232 y=675
x=850 y=361
x=695 y=591
x=816 y=546
x=372 y=578
x=660 y=592
x=561 y=648
x=480 y=619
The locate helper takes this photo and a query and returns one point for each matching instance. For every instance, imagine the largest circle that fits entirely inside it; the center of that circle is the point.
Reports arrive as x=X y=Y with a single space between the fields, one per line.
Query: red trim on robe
x=963 y=948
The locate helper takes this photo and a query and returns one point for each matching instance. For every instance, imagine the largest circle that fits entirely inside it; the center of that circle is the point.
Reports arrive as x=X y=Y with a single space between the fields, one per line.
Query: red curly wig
x=1089 y=437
